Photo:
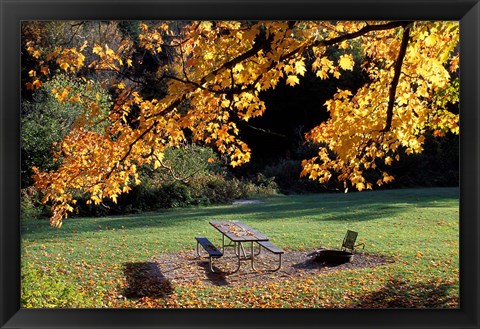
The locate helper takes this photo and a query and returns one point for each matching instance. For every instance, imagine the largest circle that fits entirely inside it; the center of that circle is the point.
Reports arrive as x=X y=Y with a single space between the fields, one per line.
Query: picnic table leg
x=252 y=256
x=259 y=250
x=279 y=263
x=243 y=250
x=237 y=252
x=228 y=245
x=198 y=253
x=240 y=247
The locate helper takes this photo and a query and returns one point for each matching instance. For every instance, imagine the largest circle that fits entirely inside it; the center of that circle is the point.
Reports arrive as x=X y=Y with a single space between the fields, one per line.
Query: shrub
x=183 y=163
x=42 y=288
x=260 y=185
x=30 y=206
x=214 y=188
x=172 y=195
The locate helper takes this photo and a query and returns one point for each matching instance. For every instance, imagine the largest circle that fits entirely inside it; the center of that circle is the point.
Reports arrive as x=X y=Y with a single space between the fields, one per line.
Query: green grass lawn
x=81 y=264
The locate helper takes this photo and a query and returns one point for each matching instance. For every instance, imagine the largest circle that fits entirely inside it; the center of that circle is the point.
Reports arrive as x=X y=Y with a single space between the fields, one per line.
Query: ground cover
x=412 y=234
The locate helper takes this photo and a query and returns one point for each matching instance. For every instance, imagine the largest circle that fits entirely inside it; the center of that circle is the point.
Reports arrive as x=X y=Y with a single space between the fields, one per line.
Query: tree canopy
x=170 y=81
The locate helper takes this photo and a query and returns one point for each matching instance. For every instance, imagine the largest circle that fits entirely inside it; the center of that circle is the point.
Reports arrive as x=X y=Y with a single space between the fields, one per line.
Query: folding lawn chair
x=348 y=243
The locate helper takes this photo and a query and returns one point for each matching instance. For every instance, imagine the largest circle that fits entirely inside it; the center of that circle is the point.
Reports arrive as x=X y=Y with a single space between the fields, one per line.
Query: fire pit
x=332 y=256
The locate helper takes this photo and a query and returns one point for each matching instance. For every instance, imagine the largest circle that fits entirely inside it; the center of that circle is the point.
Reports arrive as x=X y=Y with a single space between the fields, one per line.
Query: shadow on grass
x=398 y=293
x=321 y=211
x=217 y=278
x=145 y=279
x=355 y=207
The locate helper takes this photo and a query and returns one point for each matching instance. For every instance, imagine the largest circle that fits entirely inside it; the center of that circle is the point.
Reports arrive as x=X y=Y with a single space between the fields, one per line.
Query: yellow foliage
x=214 y=77
x=346 y=62
x=292 y=80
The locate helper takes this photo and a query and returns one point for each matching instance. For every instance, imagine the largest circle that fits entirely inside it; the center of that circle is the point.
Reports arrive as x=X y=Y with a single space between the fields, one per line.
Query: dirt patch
x=187 y=268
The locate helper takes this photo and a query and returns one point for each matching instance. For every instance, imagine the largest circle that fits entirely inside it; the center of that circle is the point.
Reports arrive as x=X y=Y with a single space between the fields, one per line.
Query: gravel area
x=187 y=268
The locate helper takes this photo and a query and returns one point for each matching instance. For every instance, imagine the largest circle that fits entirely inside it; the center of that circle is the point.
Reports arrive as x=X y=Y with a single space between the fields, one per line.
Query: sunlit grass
x=419 y=228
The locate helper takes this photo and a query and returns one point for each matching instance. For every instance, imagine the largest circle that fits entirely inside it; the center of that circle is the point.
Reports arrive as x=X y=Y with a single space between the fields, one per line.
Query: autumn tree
x=210 y=75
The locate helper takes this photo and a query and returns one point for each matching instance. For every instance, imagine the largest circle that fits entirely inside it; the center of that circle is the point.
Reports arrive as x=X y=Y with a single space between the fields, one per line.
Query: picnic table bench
x=273 y=249
x=212 y=251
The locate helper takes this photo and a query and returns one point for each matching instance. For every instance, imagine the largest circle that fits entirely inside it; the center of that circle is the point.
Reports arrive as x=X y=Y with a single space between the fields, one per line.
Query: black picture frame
x=12 y=12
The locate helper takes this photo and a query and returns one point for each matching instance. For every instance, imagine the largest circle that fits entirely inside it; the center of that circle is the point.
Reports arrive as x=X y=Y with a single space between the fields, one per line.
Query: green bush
x=43 y=288
x=184 y=163
x=173 y=195
x=200 y=190
x=30 y=205
x=215 y=188
x=260 y=185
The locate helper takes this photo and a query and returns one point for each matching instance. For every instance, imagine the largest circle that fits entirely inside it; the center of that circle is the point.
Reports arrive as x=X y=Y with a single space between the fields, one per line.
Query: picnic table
x=239 y=233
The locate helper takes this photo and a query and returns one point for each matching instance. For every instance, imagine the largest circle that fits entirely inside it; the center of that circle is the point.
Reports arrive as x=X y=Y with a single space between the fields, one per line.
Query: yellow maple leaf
x=387 y=178
x=346 y=62
x=430 y=40
x=360 y=186
x=109 y=51
x=292 y=80
x=322 y=75
x=300 y=68
x=225 y=103
x=64 y=66
x=288 y=69
x=97 y=49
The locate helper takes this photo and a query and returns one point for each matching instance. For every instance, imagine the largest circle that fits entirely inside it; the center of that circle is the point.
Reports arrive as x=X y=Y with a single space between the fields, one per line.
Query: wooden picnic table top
x=238 y=231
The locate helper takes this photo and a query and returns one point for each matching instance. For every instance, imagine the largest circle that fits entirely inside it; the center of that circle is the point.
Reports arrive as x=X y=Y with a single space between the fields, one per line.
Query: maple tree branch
x=265 y=131
x=257 y=47
x=146 y=131
x=188 y=82
x=119 y=72
x=78 y=26
x=140 y=137
x=364 y=30
x=172 y=172
x=130 y=148
x=261 y=43
x=396 y=77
